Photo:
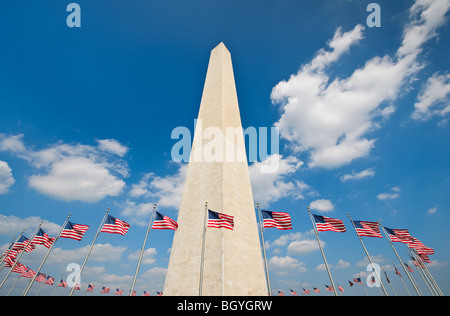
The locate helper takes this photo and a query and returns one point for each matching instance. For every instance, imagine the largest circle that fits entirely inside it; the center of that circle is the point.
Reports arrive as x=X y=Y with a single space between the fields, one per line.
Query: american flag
x=11 y=257
x=408 y=267
x=403 y=235
x=22 y=243
x=414 y=261
x=78 y=287
x=387 y=279
x=74 y=231
x=62 y=283
x=358 y=280
x=90 y=288
x=114 y=225
x=351 y=283
x=159 y=293
x=164 y=222
x=40 y=277
x=340 y=288
x=105 y=289
x=19 y=268
x=368 y=229
x=324 y=223
x=42 y=238
x=420 y=247
x=329 y=288
x=305 y=291
x=118 y=292
x=28 y=273
x=316 y=290
x=219 y=220
x=280 y=220
x=397 y=272
x=49 y=280
x=280 y=293
x=293 y=292
x=399 y=235
x=424 y=258
x=146 y=293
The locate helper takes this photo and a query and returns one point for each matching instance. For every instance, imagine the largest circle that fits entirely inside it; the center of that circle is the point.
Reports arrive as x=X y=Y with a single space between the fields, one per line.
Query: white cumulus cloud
x=271 y=186
x=6 y=177
x=73 y=172
x=330 y=118
x=322 y=205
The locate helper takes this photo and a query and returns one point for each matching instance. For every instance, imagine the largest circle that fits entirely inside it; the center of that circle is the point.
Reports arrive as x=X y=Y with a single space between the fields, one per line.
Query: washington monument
x=232 y=260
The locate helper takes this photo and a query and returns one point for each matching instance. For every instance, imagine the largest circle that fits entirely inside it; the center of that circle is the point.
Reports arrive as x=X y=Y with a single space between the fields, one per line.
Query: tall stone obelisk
x=233 y=263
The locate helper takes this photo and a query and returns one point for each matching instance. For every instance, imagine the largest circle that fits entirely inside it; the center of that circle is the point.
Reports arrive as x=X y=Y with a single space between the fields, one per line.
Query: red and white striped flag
x=49 y=280
x=163 y=222
x=62 y=283
x=74 y=231
x=28 y=273
x=280 y=220
x=23 y=243
x=324 y=224
x=42 y=238
x=219 y=220
x=105 y=290
x=368 y=229
x=40 y=277
x=114 y=225
x=19 y=268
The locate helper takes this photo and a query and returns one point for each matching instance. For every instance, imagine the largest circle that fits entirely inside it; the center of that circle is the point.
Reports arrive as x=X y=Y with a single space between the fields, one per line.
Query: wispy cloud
x=367 y=173
x=392 y=195
x=433 y=100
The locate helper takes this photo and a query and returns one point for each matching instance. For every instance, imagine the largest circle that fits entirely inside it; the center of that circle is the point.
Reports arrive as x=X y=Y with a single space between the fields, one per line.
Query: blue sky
x=87 y=114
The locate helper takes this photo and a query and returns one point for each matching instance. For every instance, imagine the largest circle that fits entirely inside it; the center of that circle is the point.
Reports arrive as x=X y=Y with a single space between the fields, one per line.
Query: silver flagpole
x=56 y=286
x=20 y=255
x=401 y=279
x=14 y=285
x=27 y=289
x=427 y=281
x=261 y=230
x=10 y=248
x=368 y=256
x=428 y=271
x=43 y=282
x=5 y=255
x=200 y=286
x=142 y=251
x=426 y=278
x=88 y=253
x=385 y=274
x=400 y=260
x=323 y=254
